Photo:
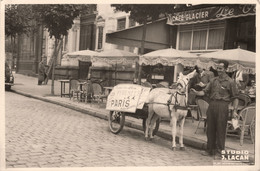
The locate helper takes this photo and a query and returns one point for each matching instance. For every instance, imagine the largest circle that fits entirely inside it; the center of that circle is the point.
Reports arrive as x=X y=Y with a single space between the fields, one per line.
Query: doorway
x=84 y=69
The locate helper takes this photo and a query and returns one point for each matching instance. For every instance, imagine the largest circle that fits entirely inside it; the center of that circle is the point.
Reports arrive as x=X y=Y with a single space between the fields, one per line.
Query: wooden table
x=63 y=87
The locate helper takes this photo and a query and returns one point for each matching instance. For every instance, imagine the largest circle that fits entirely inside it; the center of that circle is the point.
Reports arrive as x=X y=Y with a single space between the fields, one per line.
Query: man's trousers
x=217 y=116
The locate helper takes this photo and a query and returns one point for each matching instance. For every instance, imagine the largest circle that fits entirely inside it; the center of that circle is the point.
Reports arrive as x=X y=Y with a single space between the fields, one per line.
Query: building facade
x=196 y=29
x=32 y=46
x=29 y=51
x=109 y=21
x=93 y=30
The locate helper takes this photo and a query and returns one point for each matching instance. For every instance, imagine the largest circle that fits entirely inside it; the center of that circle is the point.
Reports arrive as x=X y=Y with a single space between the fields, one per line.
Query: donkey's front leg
x=148 y=121
x=174 y=122
x=152 y=125
x=181 y=132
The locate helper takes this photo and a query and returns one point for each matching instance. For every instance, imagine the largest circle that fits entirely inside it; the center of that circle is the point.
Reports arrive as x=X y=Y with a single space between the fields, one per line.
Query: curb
x=198 y=144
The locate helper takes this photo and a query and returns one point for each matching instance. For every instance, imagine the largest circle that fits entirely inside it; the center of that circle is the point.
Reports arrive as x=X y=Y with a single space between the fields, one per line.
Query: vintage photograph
x=129 y=85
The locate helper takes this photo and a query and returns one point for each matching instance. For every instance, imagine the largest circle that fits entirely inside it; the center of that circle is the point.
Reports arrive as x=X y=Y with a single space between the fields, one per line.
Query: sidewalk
x=27 y=86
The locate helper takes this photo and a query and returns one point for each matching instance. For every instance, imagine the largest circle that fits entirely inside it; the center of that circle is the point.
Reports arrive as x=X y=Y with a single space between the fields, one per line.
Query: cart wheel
x=116 y=121
x=156 y=127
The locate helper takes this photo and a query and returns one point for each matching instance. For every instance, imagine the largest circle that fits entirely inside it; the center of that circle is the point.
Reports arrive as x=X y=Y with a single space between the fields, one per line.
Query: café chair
x=87 y=91
x=243 y=101
x=97 y=92
x=74 y=89
x=202 y=111
x=248 y=123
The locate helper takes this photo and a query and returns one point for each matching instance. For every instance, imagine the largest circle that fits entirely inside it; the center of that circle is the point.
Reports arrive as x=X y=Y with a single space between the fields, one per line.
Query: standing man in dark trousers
x=221 y=89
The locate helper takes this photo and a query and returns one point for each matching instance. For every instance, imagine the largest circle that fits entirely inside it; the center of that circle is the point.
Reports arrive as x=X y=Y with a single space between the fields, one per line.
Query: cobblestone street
x=40 y=134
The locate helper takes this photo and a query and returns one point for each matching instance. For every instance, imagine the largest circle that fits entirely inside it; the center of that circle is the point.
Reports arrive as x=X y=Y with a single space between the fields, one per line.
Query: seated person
x=199 y=82
x=205 y=77
x=193 y=84
x=241 y=80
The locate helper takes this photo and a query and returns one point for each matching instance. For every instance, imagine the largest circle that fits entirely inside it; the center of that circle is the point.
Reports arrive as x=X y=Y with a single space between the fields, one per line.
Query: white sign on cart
x=127 y=98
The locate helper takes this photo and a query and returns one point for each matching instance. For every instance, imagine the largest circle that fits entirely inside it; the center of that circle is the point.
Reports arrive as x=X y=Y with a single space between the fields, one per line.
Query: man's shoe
x=207 y=153
x=218 y=156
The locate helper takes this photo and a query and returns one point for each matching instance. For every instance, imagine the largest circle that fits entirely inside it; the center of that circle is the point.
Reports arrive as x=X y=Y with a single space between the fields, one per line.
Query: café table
x=63 y=87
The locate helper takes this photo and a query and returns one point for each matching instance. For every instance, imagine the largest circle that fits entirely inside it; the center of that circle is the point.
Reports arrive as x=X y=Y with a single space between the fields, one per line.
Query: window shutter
x=201 y=26
x=217 y=24
x=186 y=27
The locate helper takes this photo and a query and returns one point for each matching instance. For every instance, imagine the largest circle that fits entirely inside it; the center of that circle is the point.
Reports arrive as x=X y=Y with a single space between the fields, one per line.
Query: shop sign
x=211 y=14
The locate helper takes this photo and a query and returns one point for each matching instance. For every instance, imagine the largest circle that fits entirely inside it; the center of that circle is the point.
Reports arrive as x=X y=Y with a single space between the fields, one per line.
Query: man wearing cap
x=220 y=89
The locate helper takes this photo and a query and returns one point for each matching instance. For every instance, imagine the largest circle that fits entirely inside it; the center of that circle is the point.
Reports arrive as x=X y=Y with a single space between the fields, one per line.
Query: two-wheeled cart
x=128 y=100
x=116 y=119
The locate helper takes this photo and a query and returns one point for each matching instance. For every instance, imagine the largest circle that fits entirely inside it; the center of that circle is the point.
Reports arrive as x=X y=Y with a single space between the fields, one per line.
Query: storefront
x=196 y=30
x=216 y=27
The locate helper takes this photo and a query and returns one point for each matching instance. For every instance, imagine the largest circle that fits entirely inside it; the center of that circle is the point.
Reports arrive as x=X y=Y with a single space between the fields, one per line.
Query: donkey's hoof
x=173 y=148
x=147 y=138
x=151 y=138
x=182 y=148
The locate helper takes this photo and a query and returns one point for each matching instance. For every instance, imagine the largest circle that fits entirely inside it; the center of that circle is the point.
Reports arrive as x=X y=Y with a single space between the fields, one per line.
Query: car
x=9 y=78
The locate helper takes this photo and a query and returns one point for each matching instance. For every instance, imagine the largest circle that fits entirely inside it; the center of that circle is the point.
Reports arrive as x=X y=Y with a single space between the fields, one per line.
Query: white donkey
x=167 y=103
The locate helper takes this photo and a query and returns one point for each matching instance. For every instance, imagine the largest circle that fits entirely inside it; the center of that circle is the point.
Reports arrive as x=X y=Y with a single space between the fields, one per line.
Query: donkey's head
x=183 y=81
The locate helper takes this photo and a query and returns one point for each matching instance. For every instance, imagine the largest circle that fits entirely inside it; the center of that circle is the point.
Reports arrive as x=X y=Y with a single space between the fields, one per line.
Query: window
x=75 y=40
x=199 y=40
x=100 y=37
x=202 y=36
x=121 y=24
x=216 y=39
x=86 y=37
x=131 y=22
x=184 y=40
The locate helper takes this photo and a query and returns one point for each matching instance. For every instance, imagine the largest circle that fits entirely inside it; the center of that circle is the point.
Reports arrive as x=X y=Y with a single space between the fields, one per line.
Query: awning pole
x=139 y=74
x=136 y=73
x=115 y=72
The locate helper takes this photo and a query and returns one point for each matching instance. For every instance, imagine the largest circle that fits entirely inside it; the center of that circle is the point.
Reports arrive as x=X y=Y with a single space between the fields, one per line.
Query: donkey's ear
x=190 y=75
x=194 y=71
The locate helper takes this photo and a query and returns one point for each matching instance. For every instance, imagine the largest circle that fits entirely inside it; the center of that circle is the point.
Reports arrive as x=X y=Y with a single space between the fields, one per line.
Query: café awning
x=214 y=13
x=169 y=57
x=114 y=57
x=83 y=55
x=239 y=59
x=157 y=36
